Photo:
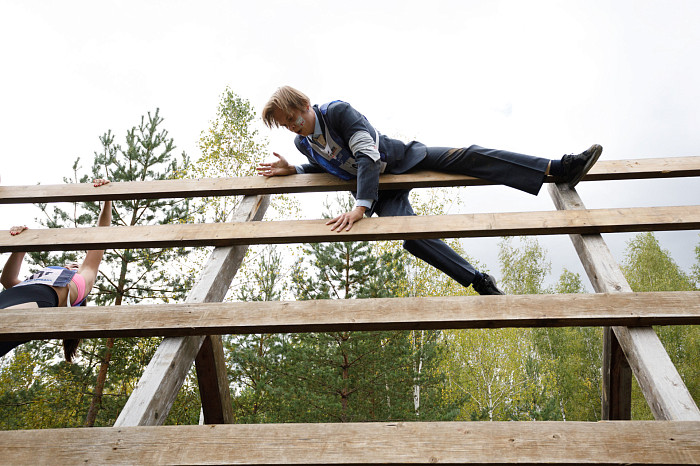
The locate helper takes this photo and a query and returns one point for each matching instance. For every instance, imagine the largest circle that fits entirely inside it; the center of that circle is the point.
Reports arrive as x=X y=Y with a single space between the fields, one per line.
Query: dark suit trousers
x=519 y=171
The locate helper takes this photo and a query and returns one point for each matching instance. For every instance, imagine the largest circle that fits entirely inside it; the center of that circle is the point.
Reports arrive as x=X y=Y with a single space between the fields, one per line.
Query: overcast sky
x=538 y=77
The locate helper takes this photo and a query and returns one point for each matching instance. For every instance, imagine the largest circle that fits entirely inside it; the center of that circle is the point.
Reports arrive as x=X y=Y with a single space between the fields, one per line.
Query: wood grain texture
x=155 y=393
x=253 y=185
x=612 y=442
x=616 y=402
x=370 y=229
x=212 y=378
x=679 y=307
x=662 y=386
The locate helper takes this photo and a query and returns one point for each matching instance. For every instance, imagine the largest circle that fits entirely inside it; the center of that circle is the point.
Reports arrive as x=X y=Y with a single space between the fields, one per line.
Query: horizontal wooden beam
x=611 y=442
x=633 y=309
x=603 y=170
x=371 y=229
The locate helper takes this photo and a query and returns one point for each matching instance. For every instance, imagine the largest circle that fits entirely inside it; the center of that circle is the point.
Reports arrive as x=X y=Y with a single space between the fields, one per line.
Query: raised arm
x=10 y=272
x=88 y=269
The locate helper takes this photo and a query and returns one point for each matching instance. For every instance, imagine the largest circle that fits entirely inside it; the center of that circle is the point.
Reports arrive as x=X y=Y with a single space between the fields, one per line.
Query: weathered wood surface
x=658 y=308
x=369 y=229
x=616 y=402
x=155 y=393
x=212 y=379
x=662 y=386
x=611 y=442
x=603 y=170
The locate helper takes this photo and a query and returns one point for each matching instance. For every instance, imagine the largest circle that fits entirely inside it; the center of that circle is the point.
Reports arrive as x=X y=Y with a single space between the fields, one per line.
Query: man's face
x=298 y=121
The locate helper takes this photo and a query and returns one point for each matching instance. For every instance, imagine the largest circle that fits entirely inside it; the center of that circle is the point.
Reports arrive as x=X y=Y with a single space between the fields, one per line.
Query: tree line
x=479 y=374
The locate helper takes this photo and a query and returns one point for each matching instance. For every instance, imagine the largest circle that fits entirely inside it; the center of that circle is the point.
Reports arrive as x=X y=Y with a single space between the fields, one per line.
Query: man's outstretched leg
x=524 y=172
x=438 y=254
x=434 y=251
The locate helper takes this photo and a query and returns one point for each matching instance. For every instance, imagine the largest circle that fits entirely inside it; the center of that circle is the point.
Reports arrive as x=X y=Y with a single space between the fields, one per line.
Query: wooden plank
x=151 y=400
x=658 y=378
x=659 y=308
x=611 y=442
x=638 y=169
x=252 y=185
x=616 y=403
x=212 y=377
x=369 y=229
x=606 y=277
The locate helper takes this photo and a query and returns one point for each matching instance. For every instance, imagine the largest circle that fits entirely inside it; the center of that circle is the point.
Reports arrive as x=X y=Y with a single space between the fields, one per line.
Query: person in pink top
x=51 y=286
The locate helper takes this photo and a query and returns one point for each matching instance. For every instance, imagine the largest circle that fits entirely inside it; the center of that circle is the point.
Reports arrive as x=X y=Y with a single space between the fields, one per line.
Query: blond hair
x=286 y=99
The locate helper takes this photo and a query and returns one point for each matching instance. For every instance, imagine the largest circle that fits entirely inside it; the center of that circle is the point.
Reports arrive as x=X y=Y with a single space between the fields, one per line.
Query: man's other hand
x=347 y=219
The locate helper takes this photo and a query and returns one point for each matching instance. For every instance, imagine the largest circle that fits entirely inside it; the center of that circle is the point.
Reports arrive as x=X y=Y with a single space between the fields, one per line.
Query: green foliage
x=574 y=356
x=524 y=269
x=186 y=409
x=59 y=394
x=484 y=368
x=347 y=270
x=349 y=376
x=525 y=374
x=648 y=267
x=129 y=275
x=251 y=358
x=335 y=376
x=569 y=282
x=696 y=266
x=231 y=147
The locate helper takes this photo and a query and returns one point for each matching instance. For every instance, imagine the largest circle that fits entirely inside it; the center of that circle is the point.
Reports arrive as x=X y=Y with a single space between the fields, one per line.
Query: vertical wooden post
x=155 y=392
x=617 y=380
x=212 y=376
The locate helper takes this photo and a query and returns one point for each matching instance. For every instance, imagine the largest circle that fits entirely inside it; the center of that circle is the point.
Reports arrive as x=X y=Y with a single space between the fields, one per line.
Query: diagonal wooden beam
x=213 y=318
x=253 y=185
x=151 y=400
x=658 y=378
x=370 y=229
x=572 y=443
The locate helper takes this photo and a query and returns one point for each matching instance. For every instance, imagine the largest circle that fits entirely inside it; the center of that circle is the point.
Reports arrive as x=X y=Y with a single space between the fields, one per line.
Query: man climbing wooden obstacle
x=337 y=139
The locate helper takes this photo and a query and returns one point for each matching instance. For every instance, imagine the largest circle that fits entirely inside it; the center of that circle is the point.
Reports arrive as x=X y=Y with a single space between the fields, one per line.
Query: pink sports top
x=59 y=277
x=79 y=281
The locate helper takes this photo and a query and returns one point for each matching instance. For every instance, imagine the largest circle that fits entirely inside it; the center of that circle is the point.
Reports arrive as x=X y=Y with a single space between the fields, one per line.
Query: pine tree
x=343 y=376
x=252 y=357
x=126 y=276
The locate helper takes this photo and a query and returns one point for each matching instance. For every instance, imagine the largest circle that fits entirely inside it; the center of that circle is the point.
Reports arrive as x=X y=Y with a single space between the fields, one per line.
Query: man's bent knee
x=411 y=245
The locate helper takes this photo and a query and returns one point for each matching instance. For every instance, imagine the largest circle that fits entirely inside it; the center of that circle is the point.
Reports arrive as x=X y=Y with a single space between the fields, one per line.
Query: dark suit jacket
x=344 y=121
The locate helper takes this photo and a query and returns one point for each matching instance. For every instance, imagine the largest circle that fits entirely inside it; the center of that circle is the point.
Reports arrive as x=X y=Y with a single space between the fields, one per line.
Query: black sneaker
x=576 y=166
x=486 y=285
